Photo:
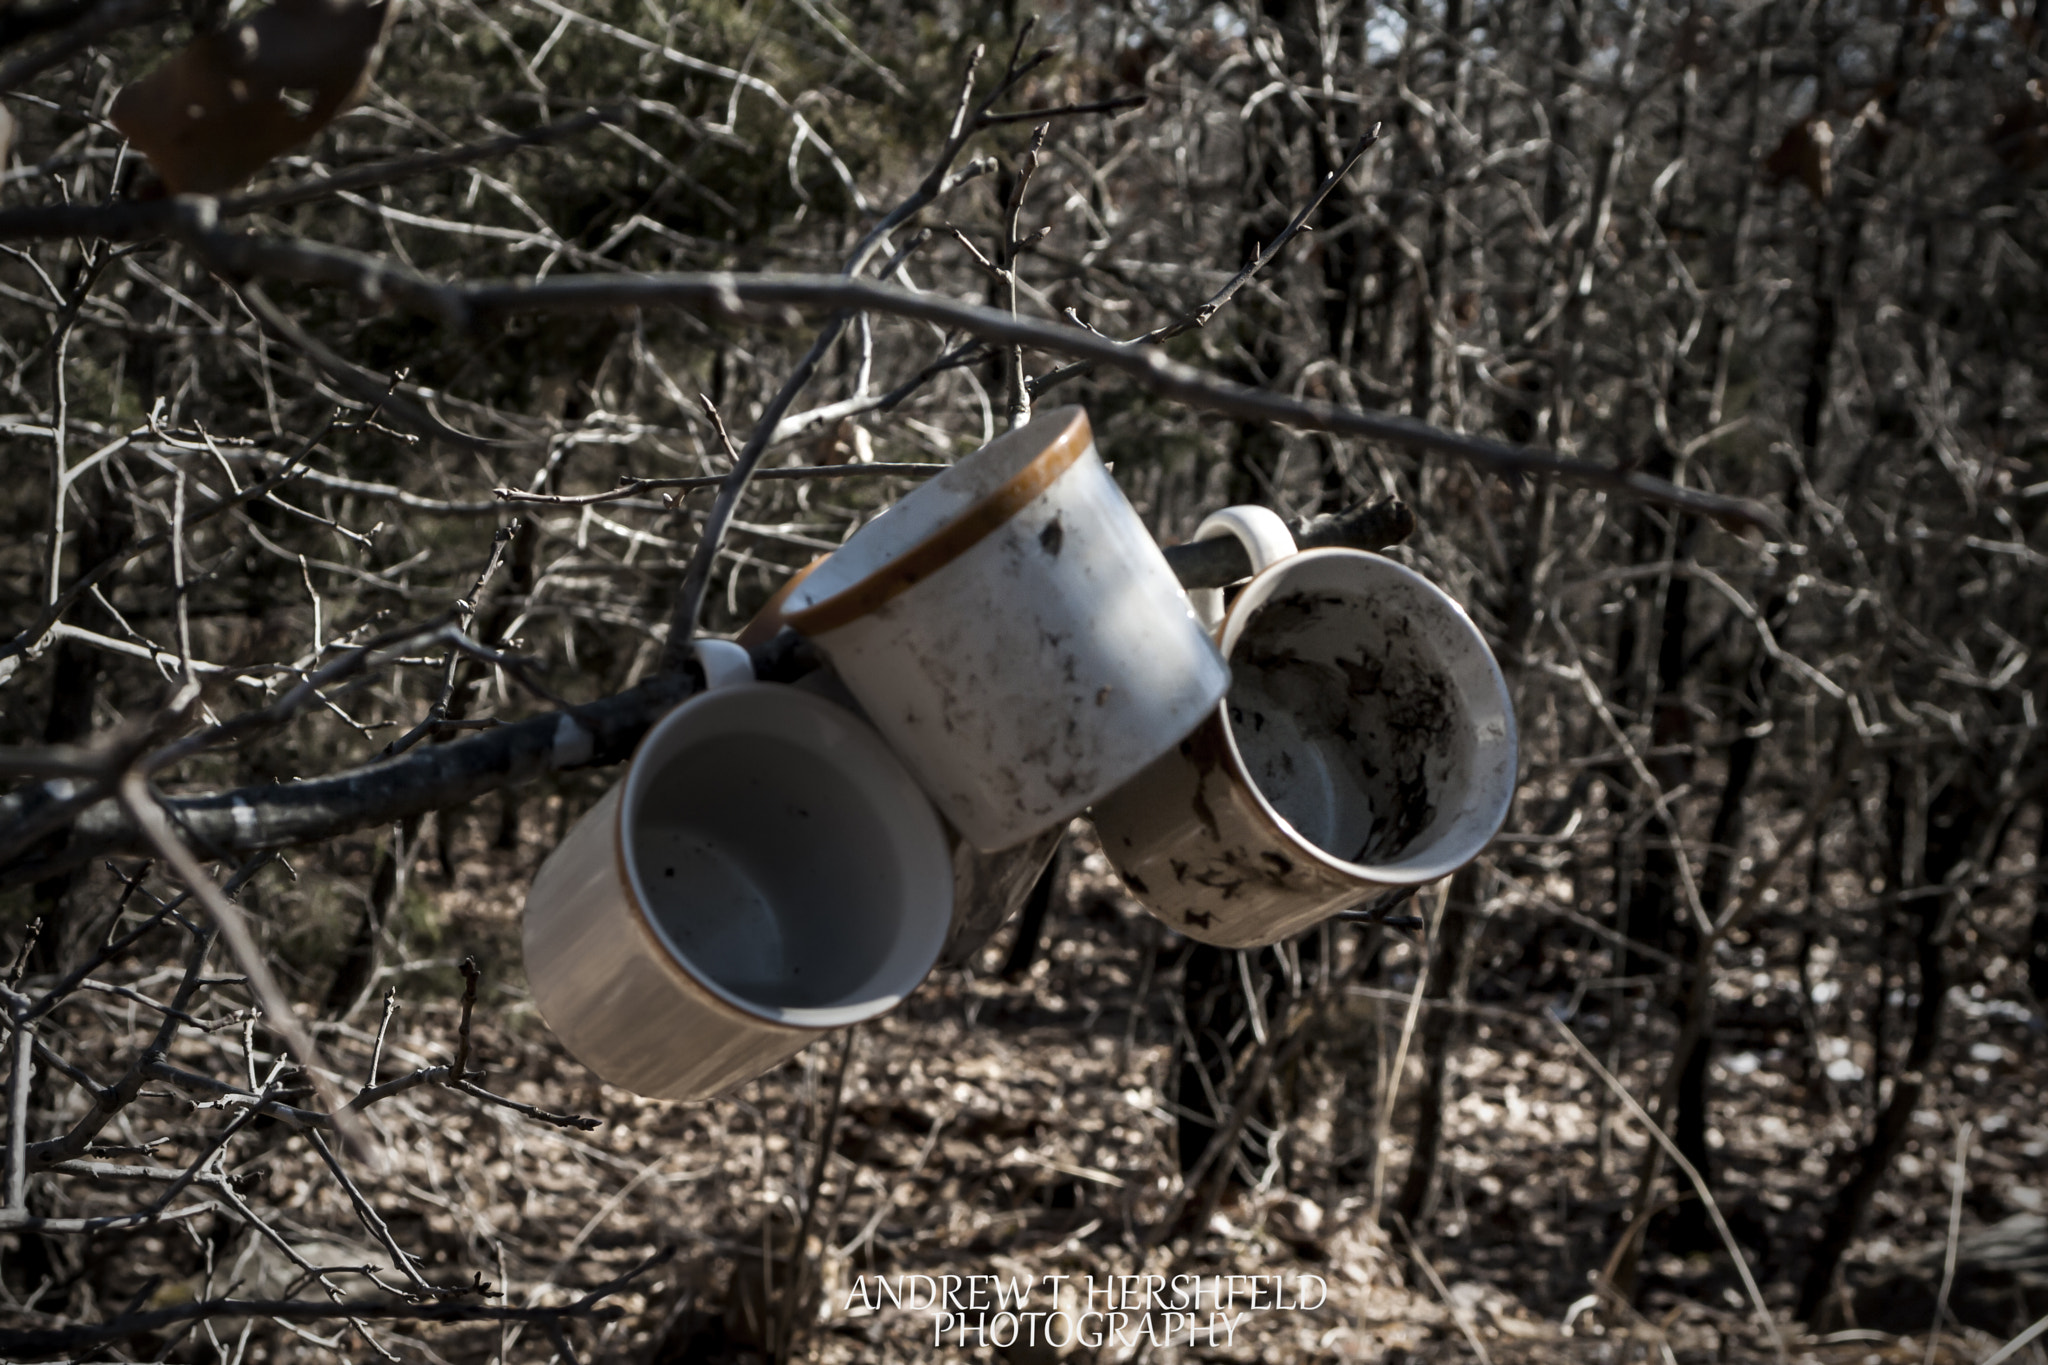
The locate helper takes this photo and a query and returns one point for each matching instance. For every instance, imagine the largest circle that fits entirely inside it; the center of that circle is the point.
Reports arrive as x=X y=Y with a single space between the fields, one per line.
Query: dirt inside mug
x=1367 y=744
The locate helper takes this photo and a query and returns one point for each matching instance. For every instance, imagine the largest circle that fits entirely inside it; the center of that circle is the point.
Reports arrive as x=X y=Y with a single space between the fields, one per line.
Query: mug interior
x=1369 y=714
x=785 y=859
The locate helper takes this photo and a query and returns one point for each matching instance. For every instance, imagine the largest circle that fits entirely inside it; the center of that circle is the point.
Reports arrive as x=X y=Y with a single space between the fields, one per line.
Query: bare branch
x=1150 y=368
x=1199 y=315
x=405 y=167
x=471 y=975
x=1108 y=106
x=634 y=487
x=597 y=734
x=148 y=816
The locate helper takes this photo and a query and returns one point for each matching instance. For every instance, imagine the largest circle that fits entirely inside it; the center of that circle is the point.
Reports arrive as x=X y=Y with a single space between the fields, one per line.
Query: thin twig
x=1699 y=1184
x=32 y=635
x=732 y=452
x=724 y=294
x=1201 y=313
x=1211 y=1172
x=580 y=1122
x=115 y=947
x=1458 y=1314
x=406 y=167
x=19 y=1074
x=676 y=657
x=28 y=944
x=141 y=805
x=1108 y=106
x=631 y=488
x=470 y=976
x=1955 y=1229
x=373 y=1222
x=466 y=608
x=1016 y=386
x=828 y=1138
x=1384 y=1124
x=383 y=1028
x=2017 y=1344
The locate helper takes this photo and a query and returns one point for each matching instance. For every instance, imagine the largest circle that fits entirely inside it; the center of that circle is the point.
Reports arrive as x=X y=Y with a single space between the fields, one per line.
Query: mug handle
x=1265 y=538
x=724 y=663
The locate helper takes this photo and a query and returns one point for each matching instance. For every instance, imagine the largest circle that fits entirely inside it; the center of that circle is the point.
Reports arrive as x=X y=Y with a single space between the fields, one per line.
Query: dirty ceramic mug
x=1367 y=744
x=766 y=872
x=1015 y=634
x=988 y=888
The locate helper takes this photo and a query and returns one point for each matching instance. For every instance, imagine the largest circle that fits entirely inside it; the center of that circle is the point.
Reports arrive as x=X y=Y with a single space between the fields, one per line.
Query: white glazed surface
x=793 y=880
x=1367 y=744
x=1370 y=716
x=1266 y=542
x=1041 y=668
x=988 y=888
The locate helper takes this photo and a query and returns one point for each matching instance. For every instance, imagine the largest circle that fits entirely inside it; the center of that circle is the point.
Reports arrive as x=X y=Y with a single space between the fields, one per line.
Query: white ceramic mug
x=988 y=888
x=1015 y=634
x=1367 y=744
x=766 y=872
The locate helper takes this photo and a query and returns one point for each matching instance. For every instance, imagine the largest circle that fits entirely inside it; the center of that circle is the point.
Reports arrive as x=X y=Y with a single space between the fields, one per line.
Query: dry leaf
x=1806 y=155
x=213 y=115
x=1699 y=41
x=844 y=442
x=2018 y=135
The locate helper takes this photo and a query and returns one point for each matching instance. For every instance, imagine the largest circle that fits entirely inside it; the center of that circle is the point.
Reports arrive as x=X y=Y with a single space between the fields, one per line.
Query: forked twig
x=142 y=808
x=1201 y=313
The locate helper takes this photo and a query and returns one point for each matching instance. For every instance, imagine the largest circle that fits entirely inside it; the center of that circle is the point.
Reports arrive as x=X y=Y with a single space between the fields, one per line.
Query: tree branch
x=597 y=734
x=476 y=305
x=141 y=220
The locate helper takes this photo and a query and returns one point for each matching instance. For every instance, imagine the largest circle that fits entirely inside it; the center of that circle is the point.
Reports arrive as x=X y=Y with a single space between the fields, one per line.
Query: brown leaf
x=1698 y=42
x=2018 y=135
x=212 y=116
x=845 y=442
x=1807 y=155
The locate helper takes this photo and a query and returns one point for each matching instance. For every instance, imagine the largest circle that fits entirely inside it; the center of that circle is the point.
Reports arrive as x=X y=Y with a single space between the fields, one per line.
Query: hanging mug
x=1367 y=744
x=1015 y=634
x=766 y=872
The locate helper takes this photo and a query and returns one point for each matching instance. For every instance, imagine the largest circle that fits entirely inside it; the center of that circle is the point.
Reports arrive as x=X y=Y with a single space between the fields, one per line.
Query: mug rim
x=873 y=768
x=961 y=532
x=1253 y=596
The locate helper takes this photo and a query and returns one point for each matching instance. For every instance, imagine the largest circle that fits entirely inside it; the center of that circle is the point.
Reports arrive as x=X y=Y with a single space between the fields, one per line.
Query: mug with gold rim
x=1014 y=632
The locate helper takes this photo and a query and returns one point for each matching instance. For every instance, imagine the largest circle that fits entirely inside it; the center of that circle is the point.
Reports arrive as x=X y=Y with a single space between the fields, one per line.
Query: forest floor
x=1023 y=1130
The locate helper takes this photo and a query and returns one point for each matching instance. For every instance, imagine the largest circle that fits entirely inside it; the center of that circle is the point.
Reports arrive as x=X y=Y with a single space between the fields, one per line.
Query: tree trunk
x=1954 y=825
